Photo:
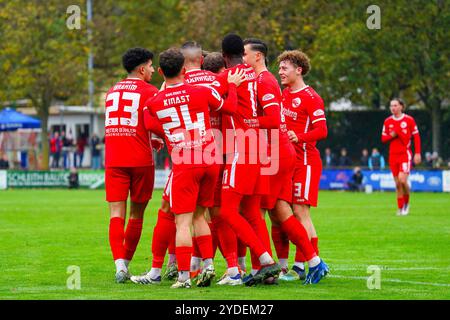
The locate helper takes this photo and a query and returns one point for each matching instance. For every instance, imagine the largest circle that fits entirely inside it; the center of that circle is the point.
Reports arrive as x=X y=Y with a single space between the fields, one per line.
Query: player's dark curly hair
x=135 y=57
x=213 y=62
x=171 y=62
x=297 y=58
x=232 y=45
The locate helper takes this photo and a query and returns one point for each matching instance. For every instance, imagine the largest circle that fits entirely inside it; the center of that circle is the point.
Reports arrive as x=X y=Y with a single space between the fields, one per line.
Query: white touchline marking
x=390 y=269
x=392 y=280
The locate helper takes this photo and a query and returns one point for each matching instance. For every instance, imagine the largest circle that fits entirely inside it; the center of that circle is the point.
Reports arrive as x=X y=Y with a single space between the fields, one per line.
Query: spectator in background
x=67 y=143
x=344 y=160
x=4 y=162
x=437 y=161
x=96 y=149
x=73 y=179
x=428 y=160
x=79 y=152
x=55 y=149
x=329 y=159
x=376 y=160
x=364 y=160
x=356 y=181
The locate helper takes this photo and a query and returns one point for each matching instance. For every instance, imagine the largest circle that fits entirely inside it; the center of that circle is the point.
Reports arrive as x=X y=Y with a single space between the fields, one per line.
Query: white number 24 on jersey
x=132 y=121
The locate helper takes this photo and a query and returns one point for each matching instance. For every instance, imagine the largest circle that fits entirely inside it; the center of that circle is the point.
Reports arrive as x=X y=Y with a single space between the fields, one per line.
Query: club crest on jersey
x=296 y=102
x=268 y=97
x=318 y=113
x=403 y=124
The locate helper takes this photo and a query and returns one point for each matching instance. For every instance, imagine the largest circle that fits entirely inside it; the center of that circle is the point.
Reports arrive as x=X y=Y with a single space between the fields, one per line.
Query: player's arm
x=271 y=118
x=318 y=121
x=229 y=105
x=267 y=99
x=386 y=137
x=152 y=124
x=417 y=143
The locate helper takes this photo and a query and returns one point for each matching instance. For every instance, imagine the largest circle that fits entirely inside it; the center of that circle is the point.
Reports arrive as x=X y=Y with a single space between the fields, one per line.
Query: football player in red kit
x=398 y=130
x=242 y=185
x=304 y=112
x=182 y=111
x=278 y=202
x=129 y=172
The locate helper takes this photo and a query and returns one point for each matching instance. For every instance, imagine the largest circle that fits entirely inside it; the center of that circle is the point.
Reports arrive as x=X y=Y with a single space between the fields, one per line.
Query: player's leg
x=141 y=190
x=299 y=236
x=403 y=181
x=203 y=237
x=116 y=238
x=250 y=209
x=280 y=242
x=245 y=232
x=183 y=250
x=117 y=185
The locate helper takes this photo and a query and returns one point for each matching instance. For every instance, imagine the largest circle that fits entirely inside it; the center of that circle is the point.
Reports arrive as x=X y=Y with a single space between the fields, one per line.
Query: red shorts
x=218 y=188
x=166 y=192
x=190 y=187
x=400 y=163
x=306 y=184
x=280 y=183
x=137 y=181
x=244 y=179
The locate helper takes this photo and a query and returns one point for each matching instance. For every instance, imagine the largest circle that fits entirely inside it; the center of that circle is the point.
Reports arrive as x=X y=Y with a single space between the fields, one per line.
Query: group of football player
x=240 y=148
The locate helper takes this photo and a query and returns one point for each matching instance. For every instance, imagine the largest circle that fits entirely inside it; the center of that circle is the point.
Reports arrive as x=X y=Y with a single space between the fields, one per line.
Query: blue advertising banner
x=419 y=180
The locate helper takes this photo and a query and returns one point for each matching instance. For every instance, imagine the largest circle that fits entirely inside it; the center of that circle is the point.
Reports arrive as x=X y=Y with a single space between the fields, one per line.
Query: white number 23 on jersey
x=132 y=121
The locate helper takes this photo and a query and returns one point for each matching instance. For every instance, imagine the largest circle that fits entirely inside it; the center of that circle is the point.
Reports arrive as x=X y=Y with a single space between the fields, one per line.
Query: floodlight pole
x=90 y=64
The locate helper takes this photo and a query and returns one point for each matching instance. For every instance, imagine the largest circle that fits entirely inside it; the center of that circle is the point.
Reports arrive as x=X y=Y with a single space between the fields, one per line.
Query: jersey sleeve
x=268 y=94
x=221 y=83
x=416 y=136
x=316 y=110
x=385 y=136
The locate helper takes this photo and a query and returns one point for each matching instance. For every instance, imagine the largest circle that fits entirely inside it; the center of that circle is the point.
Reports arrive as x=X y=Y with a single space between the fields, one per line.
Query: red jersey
x=405 y=127
x=183 y=111
x=208 y=79
x=269 y=95
x=127 y=142
x=302 y=109
x=246 y=116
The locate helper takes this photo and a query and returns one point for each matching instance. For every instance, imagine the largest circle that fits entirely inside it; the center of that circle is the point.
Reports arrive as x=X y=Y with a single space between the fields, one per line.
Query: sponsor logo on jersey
x=296 y=102
x=403 y=124
x=267 y=97
x=319 y=112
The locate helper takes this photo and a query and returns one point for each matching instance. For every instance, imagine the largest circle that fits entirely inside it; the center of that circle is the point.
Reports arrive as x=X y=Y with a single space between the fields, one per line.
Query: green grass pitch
x=43 y=232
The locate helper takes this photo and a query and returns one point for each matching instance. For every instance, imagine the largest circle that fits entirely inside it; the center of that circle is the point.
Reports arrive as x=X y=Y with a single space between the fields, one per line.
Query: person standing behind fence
x=376 y=160
x=364 y=160
x=95 y=151
x=55 y=149
x=67 y=143
x=79 y=152
x=344 y=160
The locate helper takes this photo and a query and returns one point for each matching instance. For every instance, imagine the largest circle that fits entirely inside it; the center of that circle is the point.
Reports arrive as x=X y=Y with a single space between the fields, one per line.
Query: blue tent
x=11 y=120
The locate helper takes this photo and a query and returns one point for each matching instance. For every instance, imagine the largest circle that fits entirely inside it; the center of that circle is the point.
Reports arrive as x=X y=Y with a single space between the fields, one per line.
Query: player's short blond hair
x=297 y=58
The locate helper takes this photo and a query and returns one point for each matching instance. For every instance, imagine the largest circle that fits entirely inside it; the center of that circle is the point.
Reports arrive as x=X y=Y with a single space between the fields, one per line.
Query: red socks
x=195 y=249
x=315 y=244
x=227 y=240
x=205 y=246
x=132 y=236
x=183 y=258
x=241 y=249
x=163 y=236
x=280 y=242
x=298 y=235
x=116 y=237
x=400 y=202
x=406 y=199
